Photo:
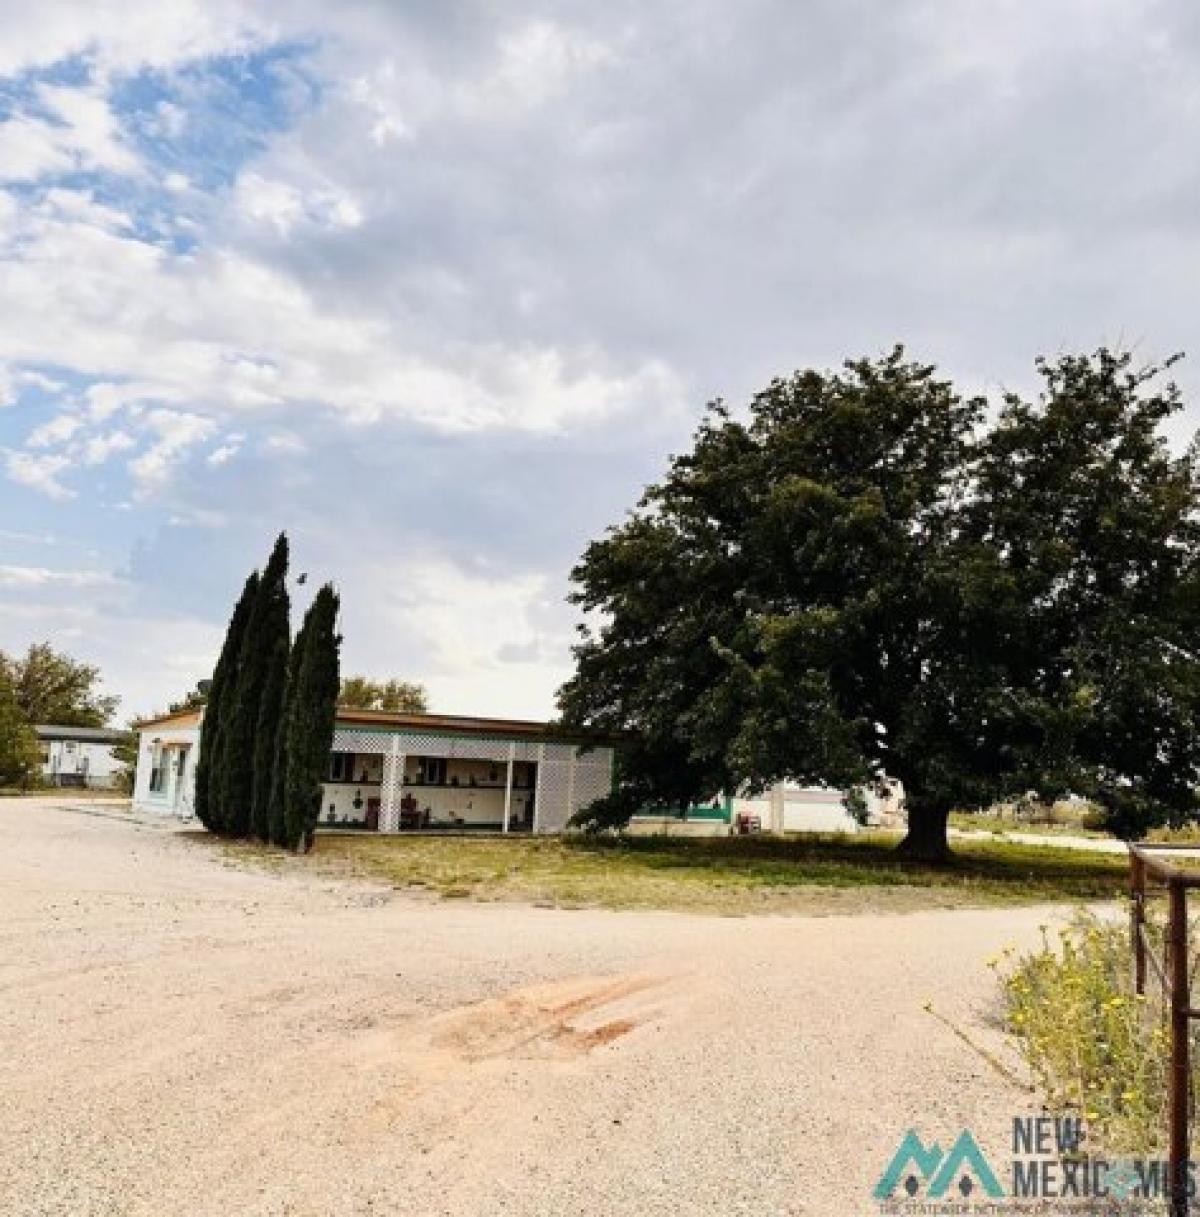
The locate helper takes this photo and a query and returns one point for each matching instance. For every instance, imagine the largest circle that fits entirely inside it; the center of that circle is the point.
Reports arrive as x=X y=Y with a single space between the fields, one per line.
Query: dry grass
x=728 y=875
x=971 y=821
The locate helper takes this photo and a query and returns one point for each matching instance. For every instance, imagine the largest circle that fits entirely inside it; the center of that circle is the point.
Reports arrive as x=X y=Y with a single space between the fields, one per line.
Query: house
x=80 y=756
x=784 y=807
x=410 y=772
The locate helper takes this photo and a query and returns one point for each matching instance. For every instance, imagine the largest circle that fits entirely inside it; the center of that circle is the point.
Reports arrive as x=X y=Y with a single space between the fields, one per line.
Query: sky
x=439 y=287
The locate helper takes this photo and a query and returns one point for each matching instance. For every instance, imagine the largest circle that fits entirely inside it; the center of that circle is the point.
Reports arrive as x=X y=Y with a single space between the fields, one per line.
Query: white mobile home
x=411 y=772
x=80 y=756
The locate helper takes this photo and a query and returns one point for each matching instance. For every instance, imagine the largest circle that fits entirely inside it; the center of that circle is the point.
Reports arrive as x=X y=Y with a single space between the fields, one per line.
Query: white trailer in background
x=80 y=756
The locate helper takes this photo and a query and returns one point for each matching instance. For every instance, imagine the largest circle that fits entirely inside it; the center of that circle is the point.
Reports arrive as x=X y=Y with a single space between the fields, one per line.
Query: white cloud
x=101 y=447
x=460 y=621
x=217 y=331
x=81 y=134
x=25 y=577
x=40 y=473
x=119 y=37
x=177 y=431
x=285 y=206
x=57 y=431
x=227 y=449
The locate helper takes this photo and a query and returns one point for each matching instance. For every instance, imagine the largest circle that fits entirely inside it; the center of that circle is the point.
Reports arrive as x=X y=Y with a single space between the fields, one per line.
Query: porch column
x=390 y=788
x=508 y=780
x=537 y=794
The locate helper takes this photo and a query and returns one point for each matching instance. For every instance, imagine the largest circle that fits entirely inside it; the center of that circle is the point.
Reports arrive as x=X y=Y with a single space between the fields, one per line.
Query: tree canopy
x=50 y=687
x=868 y=578
x=398 y=696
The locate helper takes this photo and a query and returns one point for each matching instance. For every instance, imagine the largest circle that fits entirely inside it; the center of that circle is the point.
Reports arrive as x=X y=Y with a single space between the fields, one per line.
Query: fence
x=1173 y=975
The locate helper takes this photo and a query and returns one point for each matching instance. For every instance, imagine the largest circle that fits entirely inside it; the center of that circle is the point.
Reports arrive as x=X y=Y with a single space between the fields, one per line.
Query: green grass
x=970 y=821
x=732 y=875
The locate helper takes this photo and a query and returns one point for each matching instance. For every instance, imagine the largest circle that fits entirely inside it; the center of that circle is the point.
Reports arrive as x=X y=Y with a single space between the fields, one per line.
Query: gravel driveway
x=180 y=1038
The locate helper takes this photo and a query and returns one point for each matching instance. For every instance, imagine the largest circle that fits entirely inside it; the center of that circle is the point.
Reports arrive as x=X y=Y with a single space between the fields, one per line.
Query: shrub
x=1098 y=1049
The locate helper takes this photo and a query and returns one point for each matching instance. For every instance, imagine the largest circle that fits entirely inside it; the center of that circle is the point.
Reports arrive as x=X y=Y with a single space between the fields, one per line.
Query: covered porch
x=436 y=793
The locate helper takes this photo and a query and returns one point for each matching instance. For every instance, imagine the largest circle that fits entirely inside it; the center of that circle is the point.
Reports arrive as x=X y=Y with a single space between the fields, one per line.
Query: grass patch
x=970 y=821
x=1098 y=1049
x=733 y=875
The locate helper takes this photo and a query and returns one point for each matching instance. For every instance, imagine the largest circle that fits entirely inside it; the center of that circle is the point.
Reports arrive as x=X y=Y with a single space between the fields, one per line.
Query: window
x=431 y=771
x=341 y=767
x=158 y=770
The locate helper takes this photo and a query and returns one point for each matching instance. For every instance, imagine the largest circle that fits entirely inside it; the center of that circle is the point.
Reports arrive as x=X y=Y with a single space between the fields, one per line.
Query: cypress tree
x=268 y=621
x=312 y=708
x=208 y=768
x=270 y=711
x=277 y=818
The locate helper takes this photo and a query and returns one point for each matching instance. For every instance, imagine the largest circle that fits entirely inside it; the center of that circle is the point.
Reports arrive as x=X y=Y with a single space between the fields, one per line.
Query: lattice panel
x=372 y=742
x=477 y=750
x=553 y=802
x=593 y=778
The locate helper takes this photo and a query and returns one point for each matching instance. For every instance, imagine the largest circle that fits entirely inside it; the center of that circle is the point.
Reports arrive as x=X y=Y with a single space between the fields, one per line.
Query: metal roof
x=435 y=724
x=84 y=735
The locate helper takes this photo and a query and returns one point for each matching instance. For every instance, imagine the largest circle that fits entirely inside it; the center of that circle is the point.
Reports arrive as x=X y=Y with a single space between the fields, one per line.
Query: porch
x=448 y=773
x=436 y=794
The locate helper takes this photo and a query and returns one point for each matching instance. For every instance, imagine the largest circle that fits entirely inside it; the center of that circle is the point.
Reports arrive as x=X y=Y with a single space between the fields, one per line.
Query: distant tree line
x=269 y=719
x=395 y=696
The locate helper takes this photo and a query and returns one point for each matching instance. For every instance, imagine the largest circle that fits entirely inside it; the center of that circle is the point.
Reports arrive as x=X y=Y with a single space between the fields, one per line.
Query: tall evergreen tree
x=270 y=714
x=268 y=621
x=208 y=770
x=312 y=708
x=277 y=829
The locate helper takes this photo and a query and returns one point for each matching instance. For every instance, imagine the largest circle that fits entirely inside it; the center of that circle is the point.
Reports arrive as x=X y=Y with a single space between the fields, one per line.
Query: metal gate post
x=1180 y=1035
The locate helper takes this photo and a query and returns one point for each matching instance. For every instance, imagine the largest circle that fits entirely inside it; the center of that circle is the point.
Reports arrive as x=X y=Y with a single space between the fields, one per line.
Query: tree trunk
x=926 y=840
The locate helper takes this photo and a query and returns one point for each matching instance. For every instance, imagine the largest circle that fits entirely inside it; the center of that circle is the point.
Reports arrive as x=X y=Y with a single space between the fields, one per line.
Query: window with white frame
x=158 y=769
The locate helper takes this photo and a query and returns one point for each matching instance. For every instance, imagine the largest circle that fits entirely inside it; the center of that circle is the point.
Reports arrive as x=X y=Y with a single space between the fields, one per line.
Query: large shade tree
x=853 y=584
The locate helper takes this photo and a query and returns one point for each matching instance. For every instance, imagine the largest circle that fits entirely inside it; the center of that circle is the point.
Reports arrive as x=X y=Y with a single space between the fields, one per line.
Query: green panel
x=720 y=811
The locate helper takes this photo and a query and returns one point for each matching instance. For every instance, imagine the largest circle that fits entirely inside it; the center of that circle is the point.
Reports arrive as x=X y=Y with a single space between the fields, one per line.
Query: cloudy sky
x=437 y=286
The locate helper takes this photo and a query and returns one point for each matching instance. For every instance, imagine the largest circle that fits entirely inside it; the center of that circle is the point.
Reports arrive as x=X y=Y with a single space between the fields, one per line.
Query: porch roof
x=459 y=724
x=433 y=724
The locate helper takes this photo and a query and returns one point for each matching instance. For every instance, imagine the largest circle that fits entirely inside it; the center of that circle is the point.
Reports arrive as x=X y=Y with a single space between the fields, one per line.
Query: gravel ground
x=180 y=1037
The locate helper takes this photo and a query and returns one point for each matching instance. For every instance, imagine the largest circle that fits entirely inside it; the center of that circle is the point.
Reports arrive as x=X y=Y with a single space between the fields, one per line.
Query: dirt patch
x=557 y=1020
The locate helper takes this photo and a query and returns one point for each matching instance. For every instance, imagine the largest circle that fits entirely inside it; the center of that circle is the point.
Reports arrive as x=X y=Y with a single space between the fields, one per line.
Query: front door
x=181 y=801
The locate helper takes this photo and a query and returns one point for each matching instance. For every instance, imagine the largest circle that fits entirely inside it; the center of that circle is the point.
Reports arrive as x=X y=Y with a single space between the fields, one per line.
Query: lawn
x=971 y=821
x=730 y=875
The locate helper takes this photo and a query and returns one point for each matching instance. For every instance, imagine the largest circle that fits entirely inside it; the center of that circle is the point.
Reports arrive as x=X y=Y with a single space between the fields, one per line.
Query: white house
x=79 y=756
x=785 y=807
x=410 y=772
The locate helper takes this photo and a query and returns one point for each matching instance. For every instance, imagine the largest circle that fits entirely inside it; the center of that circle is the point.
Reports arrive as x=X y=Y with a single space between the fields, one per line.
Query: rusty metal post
x=1137 y=913
x=1180 y=1034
